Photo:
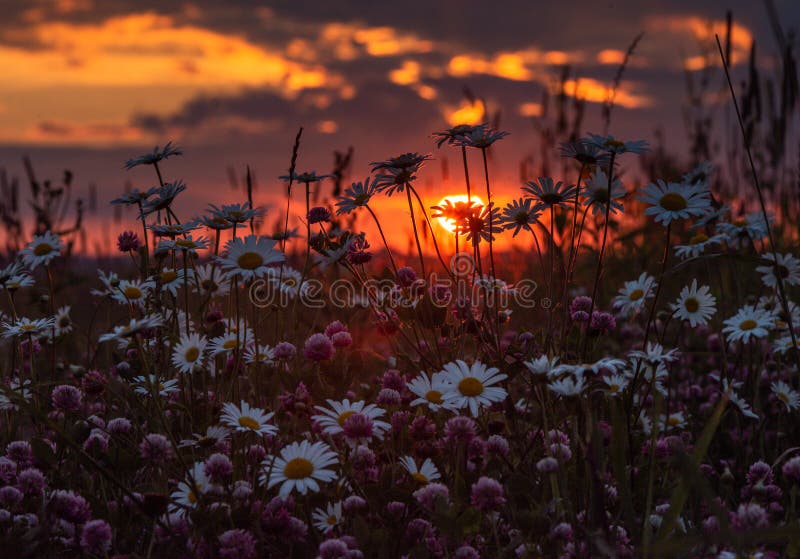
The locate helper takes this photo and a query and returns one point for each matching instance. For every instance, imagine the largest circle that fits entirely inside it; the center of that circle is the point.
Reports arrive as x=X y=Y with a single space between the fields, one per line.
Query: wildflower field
x=628 y=390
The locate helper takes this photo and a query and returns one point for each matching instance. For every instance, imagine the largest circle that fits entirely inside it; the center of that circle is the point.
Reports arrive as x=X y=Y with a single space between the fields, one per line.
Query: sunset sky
x=89 y=83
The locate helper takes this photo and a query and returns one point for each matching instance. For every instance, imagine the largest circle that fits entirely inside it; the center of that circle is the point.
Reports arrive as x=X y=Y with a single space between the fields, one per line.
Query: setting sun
x=454 y=199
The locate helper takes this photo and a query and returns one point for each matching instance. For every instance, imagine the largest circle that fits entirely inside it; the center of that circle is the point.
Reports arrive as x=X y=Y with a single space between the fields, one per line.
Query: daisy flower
x=190 y=490
x=429 y=391
x=133 y=292
x=634 y=294
x=451 y=135
x=615 y=384
x=16 y=391
x=788 y=268
x=674 y=420
x=481 y=225
x=542 y=365
x=144 y=386
x=784 y=344
x=672 y=201
x=172 y=230
x=170 y=280
x=16 y=281
x=163 y=198
x=332 y=419
x=288 y=281
x=187 y=244
x=28 y=327
x=63 y=322
x=155 y=156
x=784 y=393
x=701 y=173
x=41 y=250
x=471 y=386
x=213 y=435
x=612 y=145
x=135 y=196
x=263 y=354
x=328 y=518
x=736 y=400
x=697 y=245
x=695 y=305
x=583 y=152
x=424 y=474
x=133 y=327
x=188 y=353
x=300 y=466
x=246 y=419
x=748 y=324
x=568 y=386
x=596 y=193
x=481 y=136
x=212 y=281
x=654 y=353
x=752 y=226
x=226 y=343
x=519 y=214
x=250 y=257
x=548 y=194
x=357 y=195
x=235 y=214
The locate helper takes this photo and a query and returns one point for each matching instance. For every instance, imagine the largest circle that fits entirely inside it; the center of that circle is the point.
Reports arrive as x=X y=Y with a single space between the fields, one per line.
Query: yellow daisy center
x=298 y=468
x=340 y=420
x=249 y=423
x=434 y=396
x=636 y=294
x=419 y=477
x=192 y=354
x=42 y=249
x=748 y=324
x=470 y=386
x=673 y=202
x=290 y=282
x=672 y=421
x=614 y=144
x=250 y=261
x=699 y=238
x=740 y=222
x=191 y=497
x=783 y=397
x=186 y=243
x=230 y=344
x=691 y=304
x=613 y=387
x=28 y=327
x=132 y=292
x=167 y=277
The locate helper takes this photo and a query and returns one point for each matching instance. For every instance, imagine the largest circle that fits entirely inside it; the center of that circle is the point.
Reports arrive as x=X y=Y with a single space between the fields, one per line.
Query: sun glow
x=447 y=223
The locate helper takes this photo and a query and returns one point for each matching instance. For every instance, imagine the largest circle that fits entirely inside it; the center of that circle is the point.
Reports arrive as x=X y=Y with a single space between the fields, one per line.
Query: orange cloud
x=466 y=113
x=703 y=31
x=595 y=91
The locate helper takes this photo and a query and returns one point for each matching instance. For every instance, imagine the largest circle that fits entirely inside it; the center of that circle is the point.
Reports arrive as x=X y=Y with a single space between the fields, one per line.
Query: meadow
x=629 y=389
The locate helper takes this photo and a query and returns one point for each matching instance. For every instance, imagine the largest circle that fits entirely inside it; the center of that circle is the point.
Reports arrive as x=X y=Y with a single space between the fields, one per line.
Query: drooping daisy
x=697 y=245
x=672 y=201
x=568 y=386
x=695 y=305
x=300 y=466
x=785 y=344
x=596 y=193
x=190 y=490
x=133 y=327
x=186 y=244
x=773 y=304
x=542 y=365
x=250 y=257
x=188 y=353
x=164 y=197
x=752 y=227
x=429 y=391
x=332 y=419
x=471 y=386
x=788 y=268
x=481 y=136
x=328 y=518
x=42 y=250
x=788 y=397
x=247 y=419
x=548 y=193
x=736 y=400
x=634 y=294
x=748 y=324
x=235 y=214
x=426 y=473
